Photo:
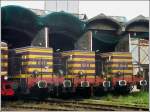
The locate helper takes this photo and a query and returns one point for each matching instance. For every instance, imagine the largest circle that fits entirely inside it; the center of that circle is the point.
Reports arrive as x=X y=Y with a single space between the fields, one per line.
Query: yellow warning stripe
x=116 y=54
x=117 y=65
x=34 y=63
x=4 y=56
x=124 y=71
x=74 y=76
x=83 y=59
x=113 y=75
x=39 y=69
x=21 y=51
x=79 y=65
x=30 y=76
x=49 y=76
x=121 y=60
x=34 y=49
x=80 y=53
x=40 y=56
x=4 y=73
x=4 y=64
x=4 y=48
x=84 y=71
x=123 y=55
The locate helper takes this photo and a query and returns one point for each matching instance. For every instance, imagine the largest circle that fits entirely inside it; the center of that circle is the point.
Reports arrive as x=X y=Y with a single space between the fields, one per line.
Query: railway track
x=97 y=106
x=73 y=105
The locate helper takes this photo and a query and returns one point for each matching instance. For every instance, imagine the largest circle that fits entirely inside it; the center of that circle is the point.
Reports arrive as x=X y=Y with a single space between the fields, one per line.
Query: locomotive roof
x=78 y=51
x=112 y=53
x=27 y=47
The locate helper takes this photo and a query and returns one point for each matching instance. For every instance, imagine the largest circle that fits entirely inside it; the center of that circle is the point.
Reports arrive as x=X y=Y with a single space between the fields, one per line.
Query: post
x=41 y=67
x=129 y=43
x=46 y=37
x=130 y=51
x=89 y=37
x=91 y=41
x=139 y=56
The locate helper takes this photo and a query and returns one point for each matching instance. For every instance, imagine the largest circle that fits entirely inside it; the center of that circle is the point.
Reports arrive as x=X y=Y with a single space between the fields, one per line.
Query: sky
x=129 y=9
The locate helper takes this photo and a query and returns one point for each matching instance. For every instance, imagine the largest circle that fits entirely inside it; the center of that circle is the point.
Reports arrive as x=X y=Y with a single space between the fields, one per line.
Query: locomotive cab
x=103 y=70
x=61 y=69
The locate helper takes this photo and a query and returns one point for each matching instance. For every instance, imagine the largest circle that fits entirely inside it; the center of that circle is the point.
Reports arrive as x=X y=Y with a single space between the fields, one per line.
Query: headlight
x=106 y=84
x=143 y=82
x=103 y=73
x=5 y=77
x=35 y=72
x=67 y=83
x=42 y=84
x=80 y=73
x=84 y=84
x=60 y=72
x=122 y=83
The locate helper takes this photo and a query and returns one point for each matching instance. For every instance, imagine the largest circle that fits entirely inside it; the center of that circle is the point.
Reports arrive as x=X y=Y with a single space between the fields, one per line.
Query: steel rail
x=74 y=105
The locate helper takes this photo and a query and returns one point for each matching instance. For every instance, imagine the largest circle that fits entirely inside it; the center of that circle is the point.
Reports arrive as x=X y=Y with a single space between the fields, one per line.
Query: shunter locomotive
x=6 y=86
x=80 y=69
x=41 y=72
x=117 y=69
x=32 y=68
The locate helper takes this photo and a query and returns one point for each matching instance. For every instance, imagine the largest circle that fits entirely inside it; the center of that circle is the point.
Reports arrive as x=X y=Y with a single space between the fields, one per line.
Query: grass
x=133 y=99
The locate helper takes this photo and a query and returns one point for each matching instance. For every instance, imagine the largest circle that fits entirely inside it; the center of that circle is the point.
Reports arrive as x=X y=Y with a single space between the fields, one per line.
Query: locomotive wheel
x=67 y=92
x=40 y=93
x=62 y=92
x=123 y=90
x=83 y=92
x=99 y=91
x=57 y=91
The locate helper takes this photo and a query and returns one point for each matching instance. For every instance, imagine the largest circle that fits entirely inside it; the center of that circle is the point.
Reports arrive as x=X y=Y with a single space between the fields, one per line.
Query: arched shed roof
x=63 y=22
x=101 y=18
x=19 y=19
x=138 y=24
